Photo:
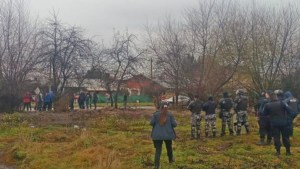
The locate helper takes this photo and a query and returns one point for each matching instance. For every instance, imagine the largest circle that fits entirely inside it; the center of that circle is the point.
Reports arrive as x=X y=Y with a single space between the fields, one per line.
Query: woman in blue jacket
x=163 y=123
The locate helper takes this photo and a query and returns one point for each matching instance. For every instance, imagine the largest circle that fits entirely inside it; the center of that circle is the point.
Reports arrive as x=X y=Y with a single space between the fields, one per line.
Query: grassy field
x=118 y=139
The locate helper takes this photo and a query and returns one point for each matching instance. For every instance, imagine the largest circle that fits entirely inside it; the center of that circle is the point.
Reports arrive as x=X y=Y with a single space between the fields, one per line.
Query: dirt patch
x=6 y=167
x=2 y=166
x=224 y=146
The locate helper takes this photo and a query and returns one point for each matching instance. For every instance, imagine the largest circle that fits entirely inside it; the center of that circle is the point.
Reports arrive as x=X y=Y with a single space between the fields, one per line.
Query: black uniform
x=279 y=113
x=210 y=117
x=294 y=104
x=264 y=122
x=225 y=105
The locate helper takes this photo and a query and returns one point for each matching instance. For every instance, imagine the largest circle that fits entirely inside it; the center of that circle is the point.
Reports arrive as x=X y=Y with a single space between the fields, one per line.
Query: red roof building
x=140 y=84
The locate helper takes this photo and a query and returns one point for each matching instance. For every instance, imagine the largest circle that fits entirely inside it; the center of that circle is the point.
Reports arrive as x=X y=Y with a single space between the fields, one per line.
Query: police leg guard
x=247 y=130
x=193 y=130
x=261 y=142
x=238 y=131
x=269 y=141
x=198 y=133
x=288 y=151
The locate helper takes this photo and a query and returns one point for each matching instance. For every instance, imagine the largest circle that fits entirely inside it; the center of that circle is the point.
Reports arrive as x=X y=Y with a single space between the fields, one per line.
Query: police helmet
x=240 y=92
x=278 y=92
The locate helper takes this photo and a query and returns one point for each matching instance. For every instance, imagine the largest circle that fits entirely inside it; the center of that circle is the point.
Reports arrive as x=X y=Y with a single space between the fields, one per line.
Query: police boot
x=261 y=142
x=288 y=152
x=198 y=134
x=247 y=130
x=231 y=132
x=172 y=160
x=192 y=133
x=206 y=134
x=277 y=152
x=238 y=132
x=214 y=134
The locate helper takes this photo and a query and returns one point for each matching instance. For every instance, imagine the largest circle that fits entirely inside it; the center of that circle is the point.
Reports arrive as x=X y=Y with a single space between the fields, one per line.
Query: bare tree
x=273 y=45
x=116 y=62
x=168 y=46
x=20 y=47
x=216 y=40
x=67 y=52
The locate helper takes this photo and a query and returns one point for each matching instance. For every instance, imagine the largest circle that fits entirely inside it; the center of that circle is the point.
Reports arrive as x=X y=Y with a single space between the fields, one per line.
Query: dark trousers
x=27 y=106
x=81 y=105
x=284 y=132
x=95 y=105
x=265 y=128
x=46 y=106
x=158 y=150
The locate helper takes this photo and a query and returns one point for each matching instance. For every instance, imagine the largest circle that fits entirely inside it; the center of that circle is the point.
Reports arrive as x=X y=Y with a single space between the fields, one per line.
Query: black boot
x=214 y=134
x=172 y=160
x=206 y=134
x=261 y=142
x=277 y=152
x=288 y=152
x=247 y=130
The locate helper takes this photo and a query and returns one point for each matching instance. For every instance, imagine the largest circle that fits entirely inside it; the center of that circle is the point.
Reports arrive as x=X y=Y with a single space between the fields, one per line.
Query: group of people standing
x=276 y=111
x=85 y=100
x=239 y=104
x=42 y=102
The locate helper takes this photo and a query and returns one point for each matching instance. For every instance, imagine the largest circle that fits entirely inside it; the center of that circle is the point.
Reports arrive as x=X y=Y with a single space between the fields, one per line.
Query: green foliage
x=12 y=118
x=19 y=155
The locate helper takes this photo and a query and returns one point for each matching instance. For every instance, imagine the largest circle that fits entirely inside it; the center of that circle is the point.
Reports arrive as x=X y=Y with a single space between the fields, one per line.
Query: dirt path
x=2 y=166
x=5 y=167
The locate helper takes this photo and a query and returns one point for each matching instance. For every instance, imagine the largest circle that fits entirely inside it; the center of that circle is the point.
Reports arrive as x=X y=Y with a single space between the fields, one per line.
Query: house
x=140 y=85
x=90 y=85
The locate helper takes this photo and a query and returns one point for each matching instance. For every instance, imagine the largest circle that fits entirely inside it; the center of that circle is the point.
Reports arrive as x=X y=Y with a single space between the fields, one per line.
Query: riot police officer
x=294 y=104
x=225 y=105
x=210 y=116
x=241 y=105
x=195 y=107
x=263 y=121
x=278 y=111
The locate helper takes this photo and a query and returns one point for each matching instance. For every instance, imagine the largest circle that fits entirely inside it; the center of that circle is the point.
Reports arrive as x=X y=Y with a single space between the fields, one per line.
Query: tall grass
x=121 y=140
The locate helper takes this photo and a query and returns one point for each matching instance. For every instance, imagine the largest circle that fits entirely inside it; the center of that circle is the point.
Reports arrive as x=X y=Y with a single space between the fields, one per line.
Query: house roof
x=89 y=84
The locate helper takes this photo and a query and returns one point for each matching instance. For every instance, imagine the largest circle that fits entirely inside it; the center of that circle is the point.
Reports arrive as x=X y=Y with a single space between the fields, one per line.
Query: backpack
x=198 y=105
x=242 y=103
x=226 y=104
x=195 y=106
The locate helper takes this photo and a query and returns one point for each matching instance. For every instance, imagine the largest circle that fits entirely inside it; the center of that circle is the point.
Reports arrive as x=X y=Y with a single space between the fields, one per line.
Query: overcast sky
x=100 y=17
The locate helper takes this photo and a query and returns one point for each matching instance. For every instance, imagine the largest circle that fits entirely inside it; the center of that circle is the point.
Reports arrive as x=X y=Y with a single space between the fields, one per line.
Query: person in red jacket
x=27 y=101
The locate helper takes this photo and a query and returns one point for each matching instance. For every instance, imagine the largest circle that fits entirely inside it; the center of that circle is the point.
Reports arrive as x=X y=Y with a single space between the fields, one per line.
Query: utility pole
x=151 y=62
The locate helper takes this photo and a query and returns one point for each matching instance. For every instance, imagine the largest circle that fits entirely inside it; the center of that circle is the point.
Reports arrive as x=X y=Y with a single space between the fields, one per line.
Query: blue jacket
x=47 y=98
x=164 y=132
